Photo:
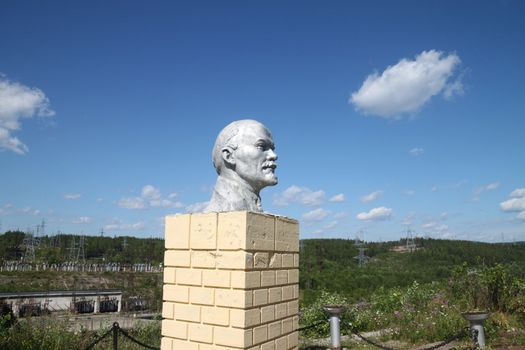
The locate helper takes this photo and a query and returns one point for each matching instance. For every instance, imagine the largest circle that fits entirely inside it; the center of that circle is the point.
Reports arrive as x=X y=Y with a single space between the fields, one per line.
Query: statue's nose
x=271 y=155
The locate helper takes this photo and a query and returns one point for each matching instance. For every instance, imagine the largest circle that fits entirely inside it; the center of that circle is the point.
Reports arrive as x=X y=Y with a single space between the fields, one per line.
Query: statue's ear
x=227 y=155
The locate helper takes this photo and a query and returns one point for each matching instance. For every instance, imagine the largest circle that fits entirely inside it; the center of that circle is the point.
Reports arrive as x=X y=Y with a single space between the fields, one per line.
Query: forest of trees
x=330 y=264
x=97 y=249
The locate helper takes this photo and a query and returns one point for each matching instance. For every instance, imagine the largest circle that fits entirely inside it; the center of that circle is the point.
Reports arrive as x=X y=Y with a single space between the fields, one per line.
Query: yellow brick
x=189 y=276
x=287 y=260
x=179 y=258
x=296 y=260
x=293 y=308
x=169 y=275
x=174 y=329
x=267 y=313
x=231 y=230
x=246 y=279
x=203 y=296
x=171 y=292
x=186 y=345
x=216 y=315
x=233 y=298
x=235 y=337
x=293 y=276
x=293 y=339
x=267 y=278
x=216 y=278
x=274 y=295
x=260 y=297
x=281 y=277
x=234 y=260
x=201 y=333
x=274 y=330
x=260 y=232
x=281 y=343
x=281 y=310
x=286 y=235
x=245 y=318
x=167 y=310
x=166 y=343
x=185 y=312
x=295 y=323
x=260 y=260
x=203 y=231
x=204 y=259
x=268 y=346
x=260 y=334
x=287 y=325
x=276 y=260
x=296 y=291
x=287 y=293
x=177 y=231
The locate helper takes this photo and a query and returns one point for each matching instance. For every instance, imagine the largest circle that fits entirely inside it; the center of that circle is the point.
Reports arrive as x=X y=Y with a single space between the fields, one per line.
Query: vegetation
x=418 y=296
x=54 y=334
x=98 y=249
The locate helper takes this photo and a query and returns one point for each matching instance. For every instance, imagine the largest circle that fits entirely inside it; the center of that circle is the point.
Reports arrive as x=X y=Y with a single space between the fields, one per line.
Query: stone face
x=230 y=282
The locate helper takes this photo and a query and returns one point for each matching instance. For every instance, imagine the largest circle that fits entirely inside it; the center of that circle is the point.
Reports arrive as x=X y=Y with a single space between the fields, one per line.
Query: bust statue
x=244 y=157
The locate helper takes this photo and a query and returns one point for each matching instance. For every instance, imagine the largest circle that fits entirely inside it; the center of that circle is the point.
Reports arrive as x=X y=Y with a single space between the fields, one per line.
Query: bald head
x=227 y=139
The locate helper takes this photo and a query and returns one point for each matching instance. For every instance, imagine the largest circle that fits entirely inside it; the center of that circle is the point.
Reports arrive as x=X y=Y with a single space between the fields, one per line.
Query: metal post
x=115 y=335
x=335 y=332
x=476 y=320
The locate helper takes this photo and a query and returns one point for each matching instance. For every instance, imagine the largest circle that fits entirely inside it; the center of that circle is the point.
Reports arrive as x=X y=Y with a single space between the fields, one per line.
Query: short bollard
x=476 y=320
x=335 y=330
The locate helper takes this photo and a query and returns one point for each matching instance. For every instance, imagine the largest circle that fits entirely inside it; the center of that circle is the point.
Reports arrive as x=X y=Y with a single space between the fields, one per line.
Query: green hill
x=330 y=264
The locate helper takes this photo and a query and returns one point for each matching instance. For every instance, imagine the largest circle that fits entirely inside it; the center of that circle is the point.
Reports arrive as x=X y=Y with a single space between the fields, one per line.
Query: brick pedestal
x=231 y=281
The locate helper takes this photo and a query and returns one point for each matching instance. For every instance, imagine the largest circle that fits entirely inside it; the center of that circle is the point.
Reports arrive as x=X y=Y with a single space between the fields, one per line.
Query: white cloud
x=316 y=215
x=150 y=197
x=124 y=227
x=371 y=196
x=338 y=198
x=196 y=207
x=410 y=192
x=72 y=196
x=434 y=188
x=517 y=193
x=132 y=203
x=429 y=225
x=301 y=195
x=416 y=151
x=490 y=187
x=513 y=204
x=376 y=214
x=83 y=220
x=17 y=102
x=150 y=192
x=331 y=225
x=408 y=85
x=409 y=219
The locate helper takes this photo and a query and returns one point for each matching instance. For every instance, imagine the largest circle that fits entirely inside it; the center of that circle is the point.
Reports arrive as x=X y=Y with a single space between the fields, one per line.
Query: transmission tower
x=359 y=238
x=82 y=249
x=73 y=251
x=410 y=244
x=30 y=244
x=361 y=258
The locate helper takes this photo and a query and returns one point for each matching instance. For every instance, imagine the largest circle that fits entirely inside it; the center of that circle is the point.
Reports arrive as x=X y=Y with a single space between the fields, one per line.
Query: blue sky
x=385 y=115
